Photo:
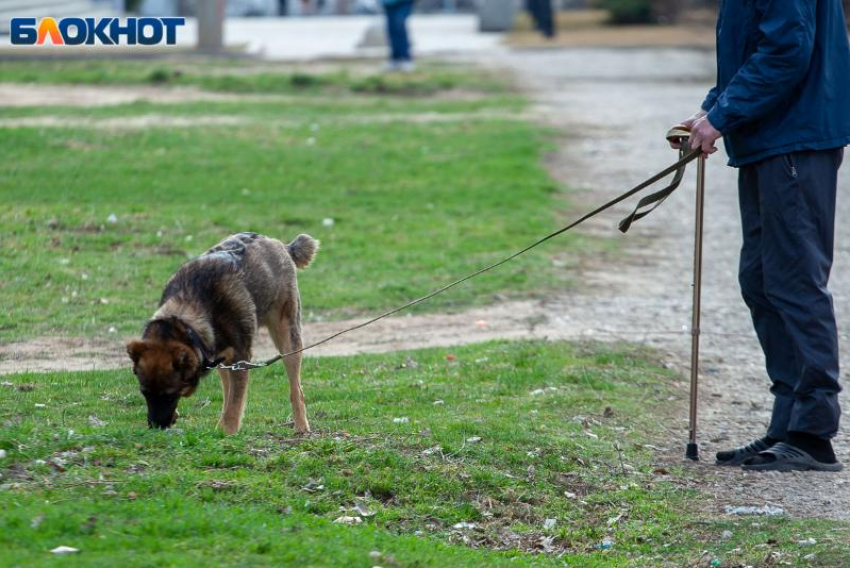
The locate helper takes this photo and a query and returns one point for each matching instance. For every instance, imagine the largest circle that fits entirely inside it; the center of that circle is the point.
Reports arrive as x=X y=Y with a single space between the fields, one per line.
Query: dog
x=210 y=312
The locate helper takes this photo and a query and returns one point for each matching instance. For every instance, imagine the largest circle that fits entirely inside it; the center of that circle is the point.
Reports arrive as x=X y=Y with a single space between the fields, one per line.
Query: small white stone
x=64 y=550
x=464 y=525
x=2 y=454
x=328 y=222
x=112 y=218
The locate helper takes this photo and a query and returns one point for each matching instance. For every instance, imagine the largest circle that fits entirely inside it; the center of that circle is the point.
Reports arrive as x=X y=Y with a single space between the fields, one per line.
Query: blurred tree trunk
x=847 y=11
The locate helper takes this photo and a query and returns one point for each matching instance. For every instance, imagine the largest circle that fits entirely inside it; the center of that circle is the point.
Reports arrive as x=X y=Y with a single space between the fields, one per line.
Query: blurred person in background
x=397 y=12
x=541 y=13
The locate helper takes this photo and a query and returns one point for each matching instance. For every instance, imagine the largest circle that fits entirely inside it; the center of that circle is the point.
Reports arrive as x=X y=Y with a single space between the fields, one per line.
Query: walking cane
x=692 y=451
x=680 y=134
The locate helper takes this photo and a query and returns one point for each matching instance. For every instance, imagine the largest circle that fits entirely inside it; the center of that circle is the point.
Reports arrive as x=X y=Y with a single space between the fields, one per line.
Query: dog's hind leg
x=286 y=334
x=234 y=403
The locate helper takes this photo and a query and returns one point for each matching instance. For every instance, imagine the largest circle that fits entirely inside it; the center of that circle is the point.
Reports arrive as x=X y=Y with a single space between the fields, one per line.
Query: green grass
x=119 y=491
x=247 y=76
x=414 y=204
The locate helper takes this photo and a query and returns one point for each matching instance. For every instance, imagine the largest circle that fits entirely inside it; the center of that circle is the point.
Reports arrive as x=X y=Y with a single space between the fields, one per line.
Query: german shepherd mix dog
x=210 y=312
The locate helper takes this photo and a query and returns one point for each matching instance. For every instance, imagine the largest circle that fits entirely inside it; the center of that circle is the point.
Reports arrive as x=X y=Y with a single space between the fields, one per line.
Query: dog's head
x=167 y=370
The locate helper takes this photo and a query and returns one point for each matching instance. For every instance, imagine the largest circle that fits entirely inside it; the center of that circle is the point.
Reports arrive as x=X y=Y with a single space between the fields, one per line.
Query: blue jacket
x=783 y=78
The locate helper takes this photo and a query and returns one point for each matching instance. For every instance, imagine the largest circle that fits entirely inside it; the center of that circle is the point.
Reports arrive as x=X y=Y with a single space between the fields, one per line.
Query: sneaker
x=407 y=66
x=739 y=455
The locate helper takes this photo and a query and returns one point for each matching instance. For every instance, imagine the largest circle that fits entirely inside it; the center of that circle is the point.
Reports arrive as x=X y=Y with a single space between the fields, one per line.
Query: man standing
x=782 y=106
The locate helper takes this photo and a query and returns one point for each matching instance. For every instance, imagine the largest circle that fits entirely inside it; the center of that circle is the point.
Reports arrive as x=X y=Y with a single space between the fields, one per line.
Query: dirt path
x=615 y=106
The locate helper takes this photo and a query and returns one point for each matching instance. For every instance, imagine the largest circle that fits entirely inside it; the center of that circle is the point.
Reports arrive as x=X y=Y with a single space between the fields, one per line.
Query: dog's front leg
x=225 y=391
x=234 y=403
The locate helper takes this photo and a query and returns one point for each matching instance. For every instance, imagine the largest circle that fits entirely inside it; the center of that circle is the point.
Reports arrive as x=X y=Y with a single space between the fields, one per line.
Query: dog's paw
x=228 y=429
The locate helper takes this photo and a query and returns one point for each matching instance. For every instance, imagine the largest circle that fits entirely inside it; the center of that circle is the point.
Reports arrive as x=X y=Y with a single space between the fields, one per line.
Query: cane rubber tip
x=692 y=453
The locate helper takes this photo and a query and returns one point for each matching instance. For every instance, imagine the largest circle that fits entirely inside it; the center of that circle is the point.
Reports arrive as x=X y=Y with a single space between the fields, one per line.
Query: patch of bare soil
x=589 y=28
x=632 y=36
x=148 y=121
x=507 y=320
x=27 y=95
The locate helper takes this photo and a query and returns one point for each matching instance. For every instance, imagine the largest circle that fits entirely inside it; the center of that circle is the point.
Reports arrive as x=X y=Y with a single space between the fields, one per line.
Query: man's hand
x=676 y=143
x=704 y=135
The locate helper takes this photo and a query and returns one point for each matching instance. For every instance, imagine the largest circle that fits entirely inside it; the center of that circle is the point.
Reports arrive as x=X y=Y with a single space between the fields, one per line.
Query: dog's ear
x=184 y=359
x=135 y=349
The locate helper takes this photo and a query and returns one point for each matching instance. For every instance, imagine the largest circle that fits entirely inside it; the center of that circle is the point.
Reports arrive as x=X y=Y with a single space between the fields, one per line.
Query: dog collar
x=207 y=364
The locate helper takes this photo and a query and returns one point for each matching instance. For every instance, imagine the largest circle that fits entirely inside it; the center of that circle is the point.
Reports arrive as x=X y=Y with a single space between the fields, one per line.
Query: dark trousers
x=397 y=14
x=541 y=13
x=788 y=216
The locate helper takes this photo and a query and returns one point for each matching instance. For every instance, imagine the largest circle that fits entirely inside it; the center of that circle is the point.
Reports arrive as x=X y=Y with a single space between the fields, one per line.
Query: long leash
x=643 y=208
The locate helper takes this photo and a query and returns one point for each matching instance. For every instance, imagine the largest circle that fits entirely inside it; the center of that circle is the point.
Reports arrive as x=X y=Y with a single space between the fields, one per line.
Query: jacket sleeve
x=710 y=99
x=781 y=59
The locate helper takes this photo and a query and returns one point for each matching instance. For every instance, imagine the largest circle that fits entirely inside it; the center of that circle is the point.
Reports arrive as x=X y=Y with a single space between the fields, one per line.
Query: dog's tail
x=302 y=250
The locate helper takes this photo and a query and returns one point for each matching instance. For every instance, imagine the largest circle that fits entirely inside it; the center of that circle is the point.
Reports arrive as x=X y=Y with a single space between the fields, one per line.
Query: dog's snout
x=162 y=411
